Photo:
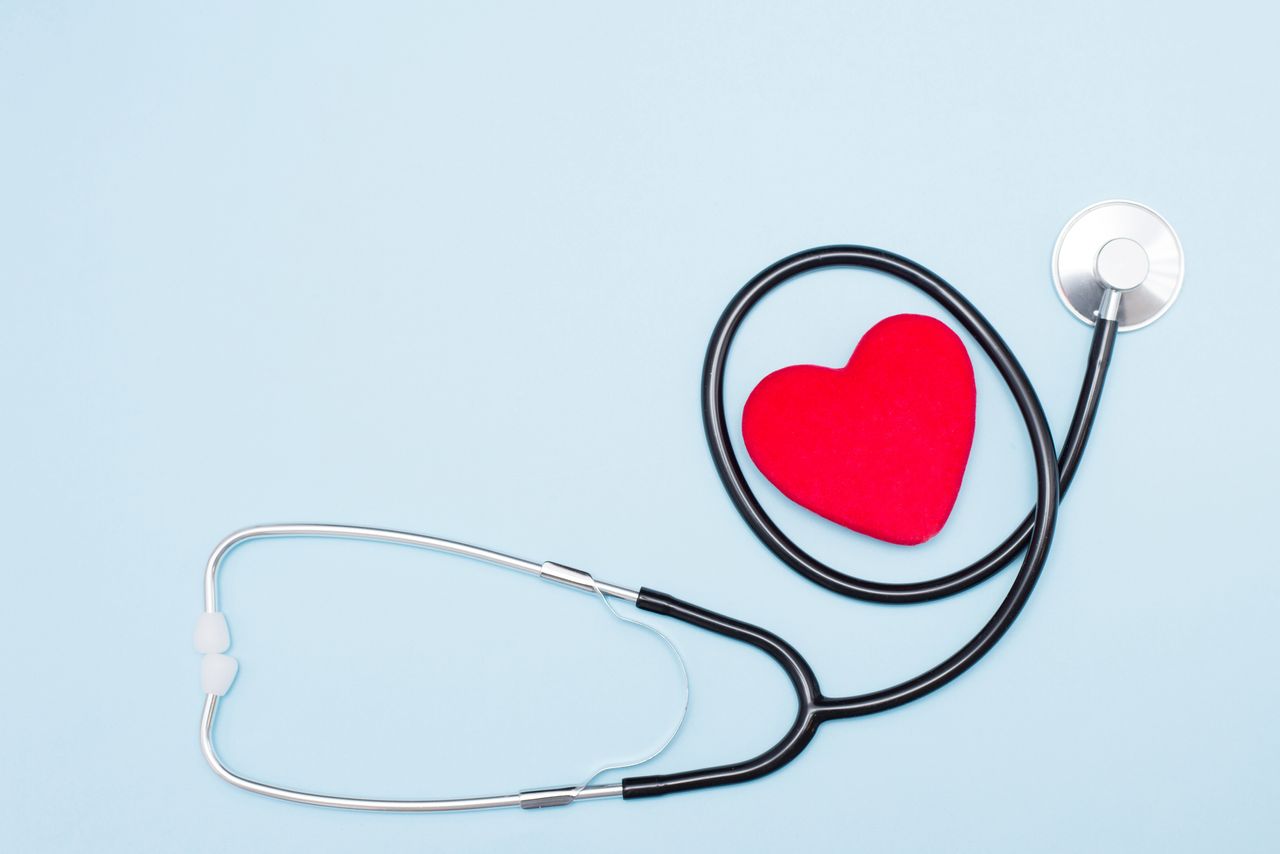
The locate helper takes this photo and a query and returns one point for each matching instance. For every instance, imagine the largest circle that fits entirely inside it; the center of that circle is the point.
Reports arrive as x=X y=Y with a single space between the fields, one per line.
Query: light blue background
x=452 y=268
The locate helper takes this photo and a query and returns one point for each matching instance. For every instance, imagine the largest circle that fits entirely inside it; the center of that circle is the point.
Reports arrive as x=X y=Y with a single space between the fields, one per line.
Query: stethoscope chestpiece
x=1120 y=258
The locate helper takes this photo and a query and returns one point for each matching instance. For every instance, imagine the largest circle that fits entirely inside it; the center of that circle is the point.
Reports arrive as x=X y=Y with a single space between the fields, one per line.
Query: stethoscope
x=1117 y=266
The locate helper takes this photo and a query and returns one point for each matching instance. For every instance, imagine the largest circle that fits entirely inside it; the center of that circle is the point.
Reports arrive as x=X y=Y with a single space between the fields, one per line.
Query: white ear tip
x=211 y=632
x=217 y=671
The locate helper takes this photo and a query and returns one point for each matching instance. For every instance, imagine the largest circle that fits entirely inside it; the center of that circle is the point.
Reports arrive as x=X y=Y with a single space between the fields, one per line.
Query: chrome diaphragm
x=1122 y=246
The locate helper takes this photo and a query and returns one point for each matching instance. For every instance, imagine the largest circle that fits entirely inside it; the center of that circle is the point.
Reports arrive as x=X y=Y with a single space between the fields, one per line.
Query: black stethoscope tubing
x=1032 y=537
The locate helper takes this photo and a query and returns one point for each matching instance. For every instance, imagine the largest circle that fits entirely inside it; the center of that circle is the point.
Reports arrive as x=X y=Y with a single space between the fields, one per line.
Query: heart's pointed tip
x=898 y=535
x=917 y=538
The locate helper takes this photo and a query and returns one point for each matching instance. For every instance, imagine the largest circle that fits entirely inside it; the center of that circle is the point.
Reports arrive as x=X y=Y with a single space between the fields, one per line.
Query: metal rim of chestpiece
x=1123 y=245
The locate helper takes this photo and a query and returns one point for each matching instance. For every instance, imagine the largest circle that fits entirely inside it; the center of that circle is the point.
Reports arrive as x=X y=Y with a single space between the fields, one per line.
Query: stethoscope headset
x=1117 y=266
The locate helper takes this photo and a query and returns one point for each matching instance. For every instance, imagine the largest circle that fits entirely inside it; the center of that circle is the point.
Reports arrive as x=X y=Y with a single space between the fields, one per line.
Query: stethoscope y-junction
x=1117 y=266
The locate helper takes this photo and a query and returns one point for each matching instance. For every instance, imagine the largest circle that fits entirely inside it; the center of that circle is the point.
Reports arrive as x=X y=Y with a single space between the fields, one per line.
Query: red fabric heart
x=878 y=446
